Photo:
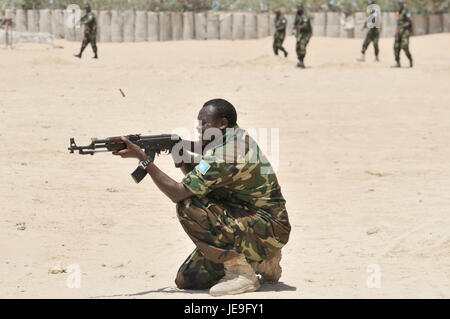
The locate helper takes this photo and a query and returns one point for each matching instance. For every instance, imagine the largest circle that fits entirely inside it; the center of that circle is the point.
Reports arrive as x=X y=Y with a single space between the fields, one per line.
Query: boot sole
x=239 y=291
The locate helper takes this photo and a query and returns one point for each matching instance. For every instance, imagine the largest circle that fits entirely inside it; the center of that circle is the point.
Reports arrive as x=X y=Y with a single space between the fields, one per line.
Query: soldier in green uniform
x=403 y=32
x=303 y=32
x=280 y=33
x=373 y=35
x=90 y=32
x=230 y=205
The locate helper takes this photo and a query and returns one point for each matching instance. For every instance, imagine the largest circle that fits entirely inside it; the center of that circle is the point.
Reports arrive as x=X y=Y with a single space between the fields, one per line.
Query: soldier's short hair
x=223 y=108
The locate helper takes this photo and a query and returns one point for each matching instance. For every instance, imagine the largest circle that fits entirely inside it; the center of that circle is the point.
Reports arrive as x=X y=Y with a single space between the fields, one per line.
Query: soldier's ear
x=223 y=124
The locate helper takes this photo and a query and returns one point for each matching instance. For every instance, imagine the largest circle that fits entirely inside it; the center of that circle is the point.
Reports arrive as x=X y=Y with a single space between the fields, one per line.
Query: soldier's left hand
x=132 y=151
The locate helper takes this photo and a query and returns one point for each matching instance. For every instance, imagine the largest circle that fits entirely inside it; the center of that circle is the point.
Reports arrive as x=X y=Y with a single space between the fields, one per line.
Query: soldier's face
x=207 y=120
x=401 y=5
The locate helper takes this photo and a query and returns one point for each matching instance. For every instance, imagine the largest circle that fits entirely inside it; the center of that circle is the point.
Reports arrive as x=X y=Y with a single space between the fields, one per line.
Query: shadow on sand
x=280 y=286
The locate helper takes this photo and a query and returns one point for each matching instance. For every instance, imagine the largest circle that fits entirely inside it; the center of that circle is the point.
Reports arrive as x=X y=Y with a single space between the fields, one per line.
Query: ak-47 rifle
x=150 y=144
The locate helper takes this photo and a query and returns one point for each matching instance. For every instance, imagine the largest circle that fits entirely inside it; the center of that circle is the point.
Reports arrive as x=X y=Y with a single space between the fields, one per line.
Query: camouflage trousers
x=278 y=40
x=373 y=35
x=222 y=232
x=302 y=42
x=89 y=38
x=402 y=43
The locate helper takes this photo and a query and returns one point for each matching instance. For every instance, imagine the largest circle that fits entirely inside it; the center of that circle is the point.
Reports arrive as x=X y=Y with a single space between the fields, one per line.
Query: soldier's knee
x=181 y=281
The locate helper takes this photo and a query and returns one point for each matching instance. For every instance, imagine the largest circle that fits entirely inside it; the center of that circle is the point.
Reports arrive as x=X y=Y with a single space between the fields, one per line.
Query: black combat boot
x=410 y=60
x=77 y=55
x=300 y=63
x=397 y=64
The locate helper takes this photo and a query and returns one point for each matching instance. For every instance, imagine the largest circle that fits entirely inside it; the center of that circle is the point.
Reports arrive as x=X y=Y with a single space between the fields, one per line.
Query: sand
x=363 y=164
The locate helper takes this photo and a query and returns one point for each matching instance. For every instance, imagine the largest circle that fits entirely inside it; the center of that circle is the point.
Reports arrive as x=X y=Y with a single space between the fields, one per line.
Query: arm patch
x=203 y=167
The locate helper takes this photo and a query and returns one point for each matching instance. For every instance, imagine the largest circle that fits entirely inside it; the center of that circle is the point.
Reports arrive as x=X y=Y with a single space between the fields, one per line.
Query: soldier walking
x=404 y=28
x=280 y=33
x=372 y=36
x=303 y=33
x=90 y=32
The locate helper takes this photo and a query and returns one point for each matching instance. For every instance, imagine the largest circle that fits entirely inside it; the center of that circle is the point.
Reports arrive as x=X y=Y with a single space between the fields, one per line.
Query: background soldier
x=404 y=27
x=373 y=35
x=90 y=32
x=280 y=33
x=303 y=32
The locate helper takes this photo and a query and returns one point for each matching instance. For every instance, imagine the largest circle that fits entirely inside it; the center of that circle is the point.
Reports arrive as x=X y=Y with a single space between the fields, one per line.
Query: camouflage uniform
x=238 y=208
x=90 y=32
x=373 y=35
x=302 y=36
x=280 y=34
x=402 y=35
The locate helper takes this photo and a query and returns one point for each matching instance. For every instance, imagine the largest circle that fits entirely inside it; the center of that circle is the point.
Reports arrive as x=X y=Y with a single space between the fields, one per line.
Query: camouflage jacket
x=302 y=21
x=238 y=173
x=90 y=26
x=403 y=16
x=280 y=24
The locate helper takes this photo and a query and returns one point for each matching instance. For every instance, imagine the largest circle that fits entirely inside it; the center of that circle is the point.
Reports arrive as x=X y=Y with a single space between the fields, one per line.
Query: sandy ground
x=363 y=149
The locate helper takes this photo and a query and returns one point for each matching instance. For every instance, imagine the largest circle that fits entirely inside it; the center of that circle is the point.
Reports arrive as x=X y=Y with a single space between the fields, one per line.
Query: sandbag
x=165 y=26
x=360 y=19
x=290 y=24
x=262 y=25
x=10 y=14
x=104 y=23
x=212 y=26
x=33 y=20
x=58 y=23
x=347 y=29
x=116 y=26
x=79 y=30
x=153 y=26
x=238 y=29
x=188 y=26
x=200 y=26
x=250 y=31
x=319 y=24
x=446 y=22
x=389 y=24
x=435 y=23
x=272 y=24
x=69 y=25
x=177 y=26
x=333 y=24
x=45 y=21
x=419 y=24
x=225 y=25
x=21 y=20
x=140 y=26
x=129 y=20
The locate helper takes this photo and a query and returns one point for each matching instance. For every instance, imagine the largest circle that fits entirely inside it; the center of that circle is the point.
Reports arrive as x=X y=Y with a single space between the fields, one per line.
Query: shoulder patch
x=203 y=167
x=284 y=20
x=305 y=19
x=408 y=15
